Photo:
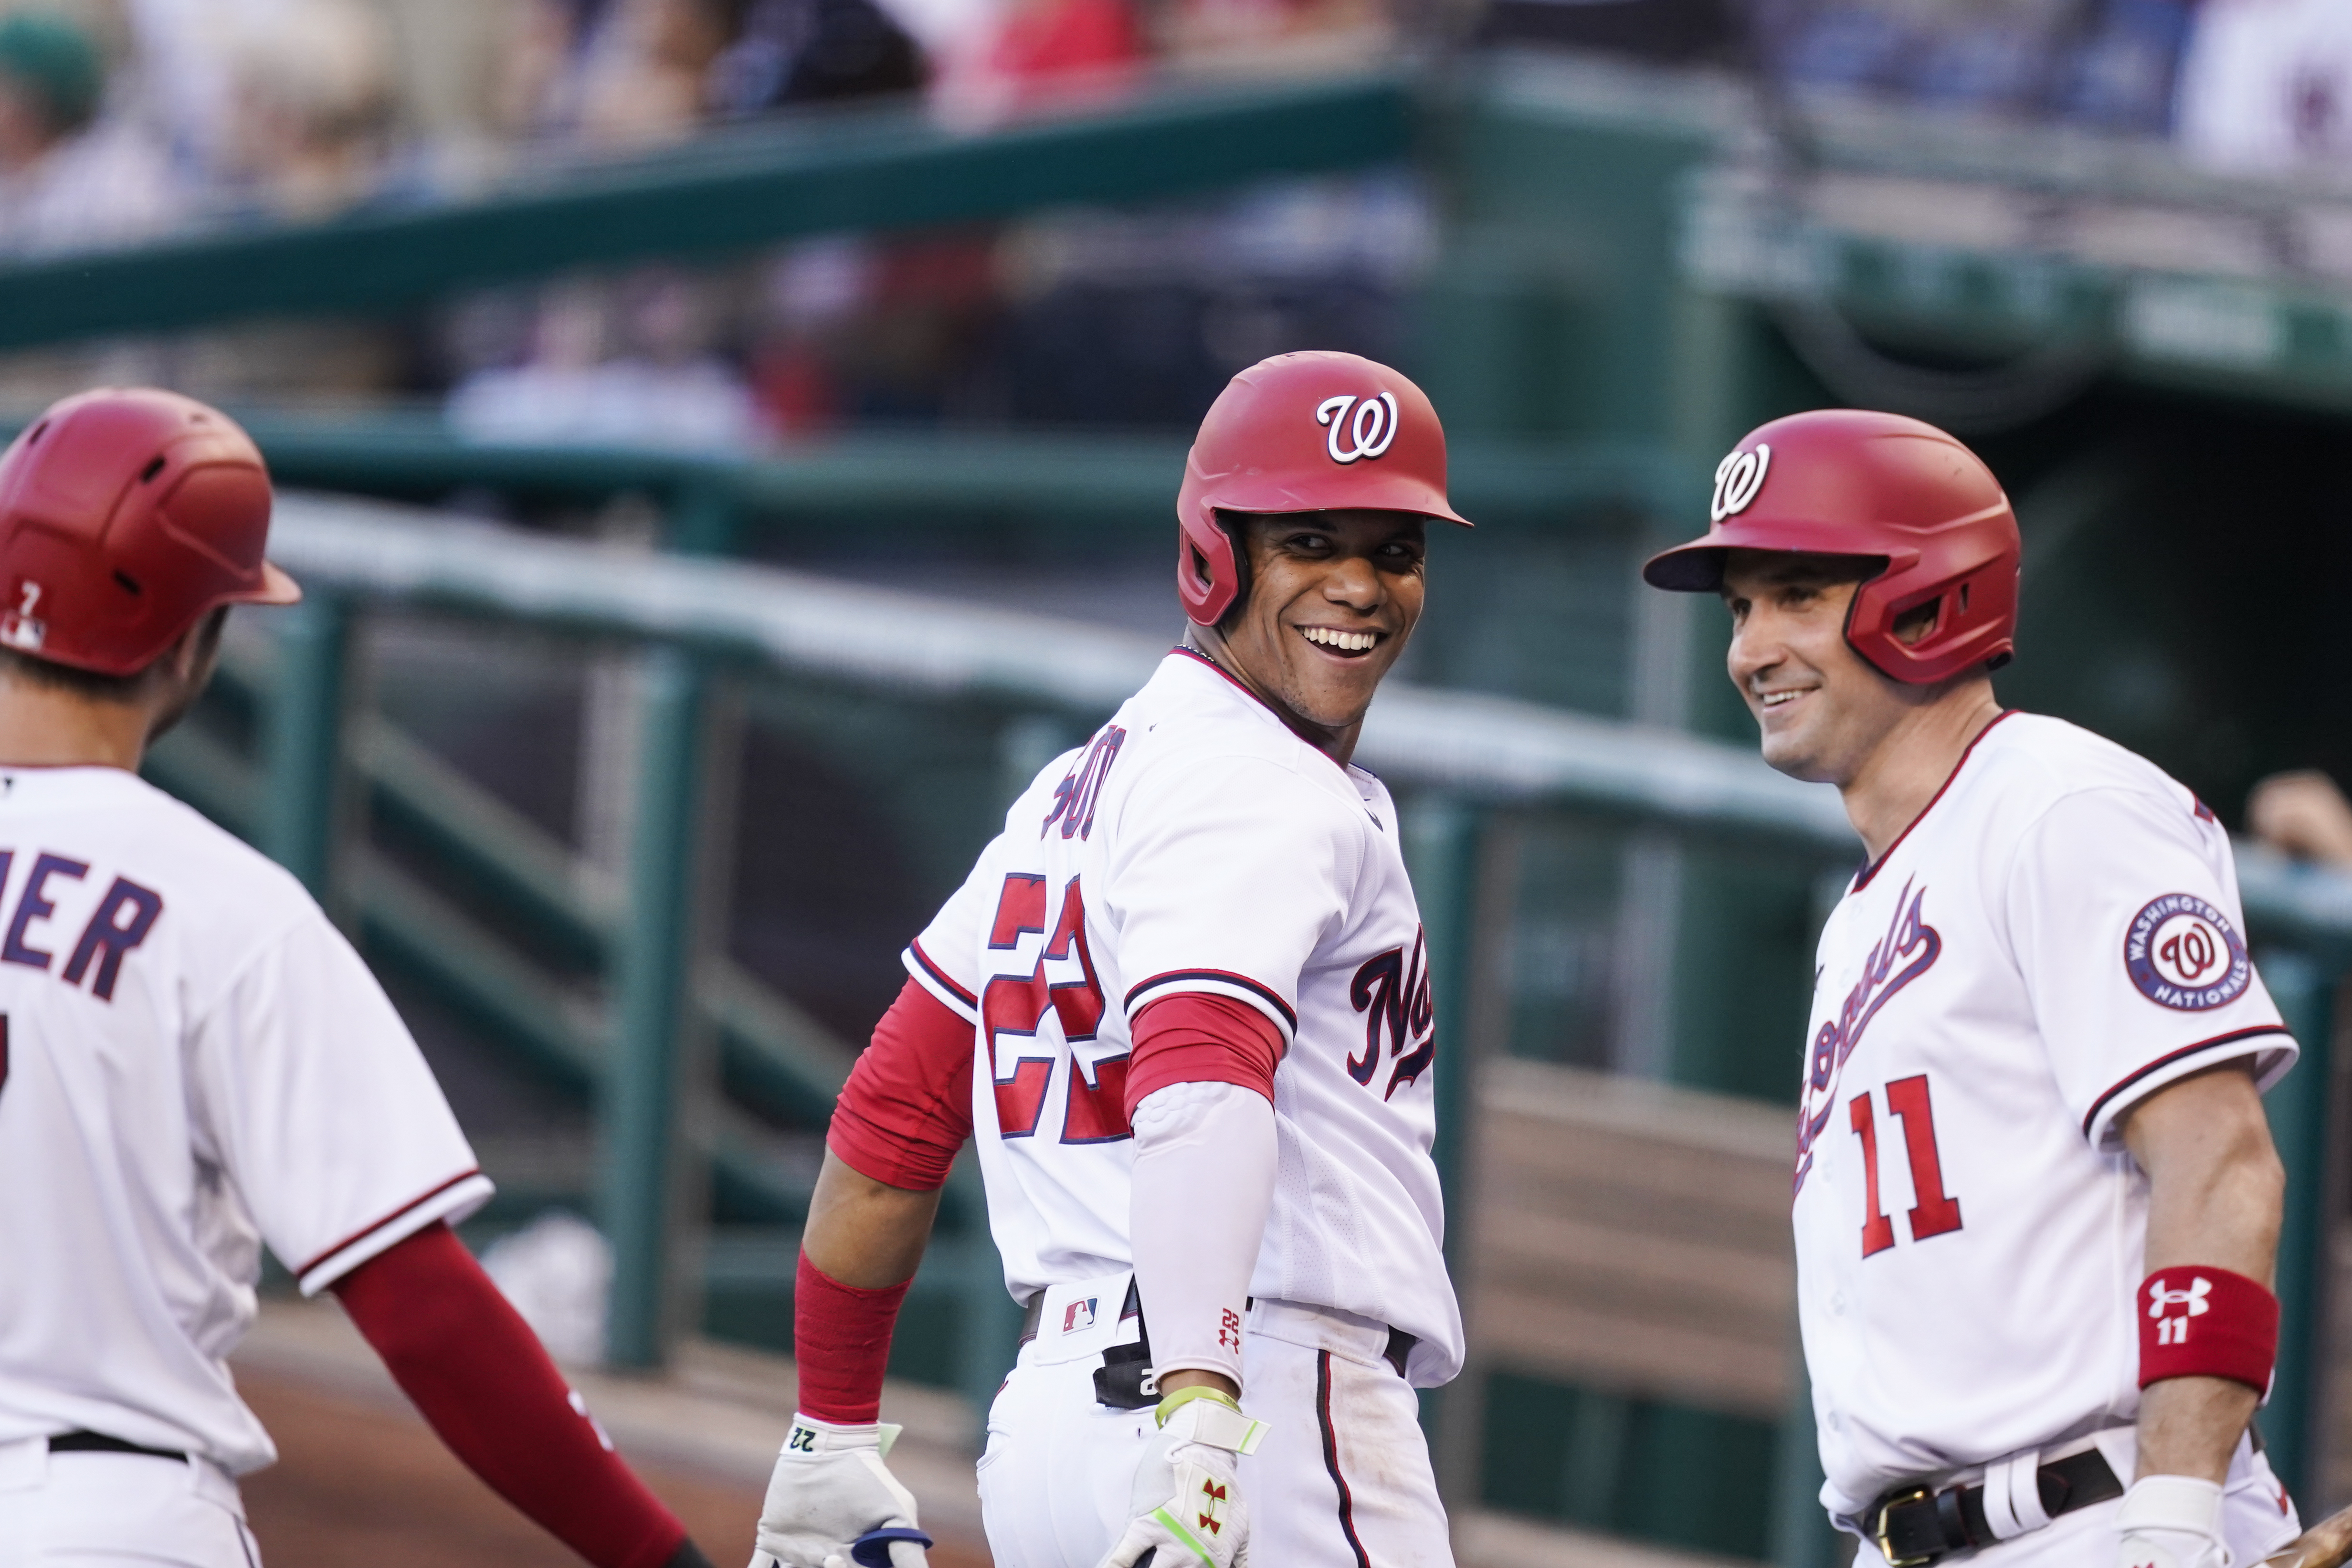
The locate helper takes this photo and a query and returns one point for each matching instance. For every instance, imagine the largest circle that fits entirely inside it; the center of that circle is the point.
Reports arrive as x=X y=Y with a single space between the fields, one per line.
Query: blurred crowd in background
x=127 y=120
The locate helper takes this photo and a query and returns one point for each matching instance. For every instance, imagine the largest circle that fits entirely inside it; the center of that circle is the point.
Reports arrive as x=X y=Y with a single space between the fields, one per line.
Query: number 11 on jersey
x=1935 y=1211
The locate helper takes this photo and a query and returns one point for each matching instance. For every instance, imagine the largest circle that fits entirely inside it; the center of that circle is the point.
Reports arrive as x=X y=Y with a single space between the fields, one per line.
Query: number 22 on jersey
x=1934 y=1212
x=1013 y=1007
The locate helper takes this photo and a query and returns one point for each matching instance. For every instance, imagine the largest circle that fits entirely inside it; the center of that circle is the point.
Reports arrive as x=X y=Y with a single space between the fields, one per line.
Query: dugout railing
x=1460 y=764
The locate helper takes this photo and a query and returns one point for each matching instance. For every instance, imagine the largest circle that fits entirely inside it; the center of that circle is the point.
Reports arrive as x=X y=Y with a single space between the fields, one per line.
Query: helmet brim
x=275 y=588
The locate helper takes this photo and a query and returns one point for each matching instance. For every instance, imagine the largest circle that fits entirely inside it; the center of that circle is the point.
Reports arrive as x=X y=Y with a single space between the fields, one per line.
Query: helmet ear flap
x=1236 y=534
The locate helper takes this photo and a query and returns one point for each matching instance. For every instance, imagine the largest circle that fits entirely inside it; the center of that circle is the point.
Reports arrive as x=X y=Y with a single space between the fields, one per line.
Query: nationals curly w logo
x=1368 y=431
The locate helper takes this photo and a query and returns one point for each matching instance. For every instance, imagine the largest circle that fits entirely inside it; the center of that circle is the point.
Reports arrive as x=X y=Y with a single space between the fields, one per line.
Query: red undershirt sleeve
x=1195 y=1036
x=906 y=1108
x=487 y=1387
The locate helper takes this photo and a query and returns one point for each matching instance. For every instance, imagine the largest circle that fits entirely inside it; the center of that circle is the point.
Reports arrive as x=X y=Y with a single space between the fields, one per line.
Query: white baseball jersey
x=192 y=1062
x=1195 y=844
x=2056 y=939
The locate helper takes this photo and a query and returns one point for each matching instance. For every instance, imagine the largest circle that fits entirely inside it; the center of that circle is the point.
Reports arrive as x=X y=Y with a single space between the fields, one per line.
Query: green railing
x=1454 y=760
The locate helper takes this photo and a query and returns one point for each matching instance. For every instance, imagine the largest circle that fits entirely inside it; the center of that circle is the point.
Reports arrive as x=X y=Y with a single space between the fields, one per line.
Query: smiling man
x=1183 y=1002
x=2037 y=1208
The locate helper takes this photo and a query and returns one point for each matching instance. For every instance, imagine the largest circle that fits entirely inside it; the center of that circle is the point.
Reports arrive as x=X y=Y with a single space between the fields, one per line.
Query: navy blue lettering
x=108 y=931
x=33 y=905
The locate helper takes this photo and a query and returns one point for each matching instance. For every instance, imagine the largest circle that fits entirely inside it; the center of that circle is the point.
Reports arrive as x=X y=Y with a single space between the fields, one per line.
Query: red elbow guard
x=2198 y=1322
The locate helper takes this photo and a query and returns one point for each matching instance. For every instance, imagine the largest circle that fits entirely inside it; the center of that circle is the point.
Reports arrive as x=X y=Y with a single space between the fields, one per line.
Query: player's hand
x=1186 y=1506
x=2171 y=1522
x=829 y=1491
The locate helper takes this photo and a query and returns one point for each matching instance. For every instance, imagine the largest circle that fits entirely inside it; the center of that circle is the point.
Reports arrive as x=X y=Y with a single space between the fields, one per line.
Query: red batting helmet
x=1847 y=481
x=1303 y=432
x=126 y=513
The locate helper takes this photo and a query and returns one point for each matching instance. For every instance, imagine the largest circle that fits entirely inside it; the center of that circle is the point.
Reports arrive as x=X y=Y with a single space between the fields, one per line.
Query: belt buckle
x=1886 y=1547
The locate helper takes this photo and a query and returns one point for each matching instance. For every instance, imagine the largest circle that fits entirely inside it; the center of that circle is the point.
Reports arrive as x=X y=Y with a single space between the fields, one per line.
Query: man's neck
x=1339 y=745
x=1912 y=762
x=43 y=726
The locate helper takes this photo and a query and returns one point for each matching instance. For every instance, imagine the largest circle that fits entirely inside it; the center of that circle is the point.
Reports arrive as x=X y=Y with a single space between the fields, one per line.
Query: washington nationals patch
x=2181 y=952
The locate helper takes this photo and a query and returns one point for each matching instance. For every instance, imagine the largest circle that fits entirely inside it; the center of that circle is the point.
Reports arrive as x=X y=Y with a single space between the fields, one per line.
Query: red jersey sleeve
x=906 y=1108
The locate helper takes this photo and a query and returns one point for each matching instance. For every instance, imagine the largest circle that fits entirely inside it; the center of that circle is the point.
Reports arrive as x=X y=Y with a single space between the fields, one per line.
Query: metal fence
x=1454 y=759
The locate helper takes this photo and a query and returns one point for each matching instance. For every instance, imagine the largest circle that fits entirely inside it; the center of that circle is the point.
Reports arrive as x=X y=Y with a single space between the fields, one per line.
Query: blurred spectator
x=2303 y=814
x=1032 y=53
x=642 y=74
x=530 y=72
x=665 y=388
x=68 y=180
x=2268 y=83
x=310 y=111
x=811 y=51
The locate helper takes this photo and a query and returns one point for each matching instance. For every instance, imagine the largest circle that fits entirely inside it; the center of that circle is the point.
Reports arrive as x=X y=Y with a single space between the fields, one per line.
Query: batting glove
x=2171 y=1522
x=1186 y=1506
x=832 y=1503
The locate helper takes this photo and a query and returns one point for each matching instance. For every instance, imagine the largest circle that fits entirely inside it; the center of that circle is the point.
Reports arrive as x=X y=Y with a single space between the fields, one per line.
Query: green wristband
x=1183 y=1396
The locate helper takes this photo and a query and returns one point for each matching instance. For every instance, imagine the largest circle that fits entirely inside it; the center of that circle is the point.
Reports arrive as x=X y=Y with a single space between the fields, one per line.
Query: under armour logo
x=1368 y=431
x=2173 y=1330
x=1213 y=1503
x=1737 y=480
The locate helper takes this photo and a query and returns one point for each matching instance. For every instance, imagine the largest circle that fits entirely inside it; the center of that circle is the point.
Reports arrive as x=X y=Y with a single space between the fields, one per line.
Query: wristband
x=2201 y=1321
x=1213 y=1418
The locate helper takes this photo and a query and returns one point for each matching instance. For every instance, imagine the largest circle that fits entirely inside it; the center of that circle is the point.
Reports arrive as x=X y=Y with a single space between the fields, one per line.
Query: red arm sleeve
x=485 y=1383
x=906 y=1108
x=1195 y=1038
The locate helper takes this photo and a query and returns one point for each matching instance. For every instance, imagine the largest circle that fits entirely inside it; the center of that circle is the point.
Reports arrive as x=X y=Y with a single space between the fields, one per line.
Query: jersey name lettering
x=1908 y=937
x=122 y=922
x=1081 y=787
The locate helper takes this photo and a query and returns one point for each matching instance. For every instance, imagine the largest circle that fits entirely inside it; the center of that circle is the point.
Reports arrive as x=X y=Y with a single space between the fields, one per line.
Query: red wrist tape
x=2199 y=1321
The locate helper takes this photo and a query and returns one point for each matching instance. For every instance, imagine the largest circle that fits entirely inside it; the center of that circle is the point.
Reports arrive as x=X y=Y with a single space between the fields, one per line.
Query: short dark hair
x=34 y=670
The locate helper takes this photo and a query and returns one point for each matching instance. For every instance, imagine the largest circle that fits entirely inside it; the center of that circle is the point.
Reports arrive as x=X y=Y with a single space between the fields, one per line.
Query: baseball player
x=2036 y=1201
x=1183 y=1005
x=193 y=1062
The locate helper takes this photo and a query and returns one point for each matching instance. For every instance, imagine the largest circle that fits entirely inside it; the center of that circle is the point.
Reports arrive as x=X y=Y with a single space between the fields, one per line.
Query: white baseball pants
x=2257 y=1517
x=118 y=1510
x=1342 y=1480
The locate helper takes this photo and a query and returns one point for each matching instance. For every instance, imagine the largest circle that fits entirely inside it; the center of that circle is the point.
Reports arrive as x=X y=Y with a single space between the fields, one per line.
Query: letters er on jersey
x=1182 y=1007
x=2037 y=1207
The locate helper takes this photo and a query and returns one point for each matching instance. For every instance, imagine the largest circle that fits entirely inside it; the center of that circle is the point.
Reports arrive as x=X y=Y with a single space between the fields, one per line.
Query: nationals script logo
x=1392 y=991
x=1911 y=943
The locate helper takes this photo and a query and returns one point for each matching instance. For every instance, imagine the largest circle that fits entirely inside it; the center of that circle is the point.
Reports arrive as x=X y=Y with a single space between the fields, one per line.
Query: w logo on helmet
x=1368 y=432
x=1737 y=480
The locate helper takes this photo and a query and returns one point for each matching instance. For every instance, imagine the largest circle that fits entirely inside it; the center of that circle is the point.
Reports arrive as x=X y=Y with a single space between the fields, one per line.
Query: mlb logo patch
x=1079 y=1315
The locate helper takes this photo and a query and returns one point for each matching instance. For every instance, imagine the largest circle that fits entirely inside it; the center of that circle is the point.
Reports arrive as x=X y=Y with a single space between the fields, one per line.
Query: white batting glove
x=1186 y=1505
x=2171 y=1522
x=829 y=1489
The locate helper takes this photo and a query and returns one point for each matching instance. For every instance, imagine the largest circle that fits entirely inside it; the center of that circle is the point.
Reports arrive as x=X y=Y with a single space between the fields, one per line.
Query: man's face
x=1332 y=598
x=1821 y=708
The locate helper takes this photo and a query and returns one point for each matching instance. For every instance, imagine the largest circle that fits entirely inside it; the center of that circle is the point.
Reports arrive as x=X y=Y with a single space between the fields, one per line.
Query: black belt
x=1032 y=1318
x=1920 y=1525
x=100 y=1443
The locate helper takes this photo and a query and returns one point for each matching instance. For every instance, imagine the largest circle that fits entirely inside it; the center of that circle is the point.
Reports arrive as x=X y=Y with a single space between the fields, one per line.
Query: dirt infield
x=357 y=1482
